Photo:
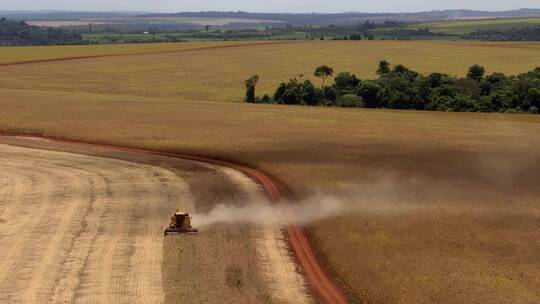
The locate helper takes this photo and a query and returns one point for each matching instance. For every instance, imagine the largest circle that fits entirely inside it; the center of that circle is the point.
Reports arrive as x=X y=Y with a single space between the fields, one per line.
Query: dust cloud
x=376 y=199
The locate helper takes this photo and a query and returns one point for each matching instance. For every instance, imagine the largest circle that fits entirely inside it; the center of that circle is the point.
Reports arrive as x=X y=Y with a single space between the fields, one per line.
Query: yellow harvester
x=180 y=223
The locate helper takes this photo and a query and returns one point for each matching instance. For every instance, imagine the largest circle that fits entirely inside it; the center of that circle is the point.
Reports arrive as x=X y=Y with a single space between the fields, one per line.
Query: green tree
x=311 y=95
x=398 y=99
x=324 y=72
x=463 y=103
x=476 y=72
x=369 y=91
x=533 y=97
x=468 y=87
x=355 y=37
x=349 y=101
x=402 y=88
x=501 y=101
x=251 y=83
x=384 y=67
x=346 y=81
x=291 y=93
x=280 y=92
x=20 y=33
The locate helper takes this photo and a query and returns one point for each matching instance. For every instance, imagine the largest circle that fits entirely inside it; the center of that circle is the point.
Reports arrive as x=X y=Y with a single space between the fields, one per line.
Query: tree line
x=398 y=87
x=20 y=33
x=529 y=33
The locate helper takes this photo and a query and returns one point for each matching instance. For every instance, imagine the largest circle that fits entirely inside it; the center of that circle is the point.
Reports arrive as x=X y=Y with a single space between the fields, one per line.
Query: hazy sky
x=267 y=5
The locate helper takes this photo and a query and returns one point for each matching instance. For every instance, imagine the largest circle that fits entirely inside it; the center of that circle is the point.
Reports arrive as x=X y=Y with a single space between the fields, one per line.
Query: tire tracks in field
x=23 y=245
x=279 y=269
x=69 y=282
x=65 y=222
x=25 y=62
x=62 y=230
x=317 y=274
x=60 y=219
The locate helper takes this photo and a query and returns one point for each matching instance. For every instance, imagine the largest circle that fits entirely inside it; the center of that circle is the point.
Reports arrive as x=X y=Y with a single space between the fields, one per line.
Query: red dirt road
x=321 y=282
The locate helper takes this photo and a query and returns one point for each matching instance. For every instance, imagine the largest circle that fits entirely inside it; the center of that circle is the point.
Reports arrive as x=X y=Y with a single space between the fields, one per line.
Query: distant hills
x=344 y=18
x=64 y=15
x=471 y=14
x=293 y=19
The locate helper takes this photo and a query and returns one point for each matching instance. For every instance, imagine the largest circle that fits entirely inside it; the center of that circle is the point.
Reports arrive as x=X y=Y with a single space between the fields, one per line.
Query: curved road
x=319 y=278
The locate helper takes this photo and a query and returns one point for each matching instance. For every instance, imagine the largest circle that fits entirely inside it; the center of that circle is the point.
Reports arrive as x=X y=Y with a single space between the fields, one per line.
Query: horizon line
x=255 y=12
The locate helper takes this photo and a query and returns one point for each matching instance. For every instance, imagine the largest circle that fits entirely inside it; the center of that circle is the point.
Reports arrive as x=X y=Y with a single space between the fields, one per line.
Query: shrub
x=331 y=94
x=501 y=101
x=349 y=101
x=468 y=87
x=311 y=95
x=442 y=103
x=399 y=100
x=533 y=97
x=346 y=82
x=483 y=105
x=267 y=99
x=369 y=91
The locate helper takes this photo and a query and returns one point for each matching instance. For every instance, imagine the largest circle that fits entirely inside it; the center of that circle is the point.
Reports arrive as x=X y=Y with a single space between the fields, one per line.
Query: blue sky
x=267 y=6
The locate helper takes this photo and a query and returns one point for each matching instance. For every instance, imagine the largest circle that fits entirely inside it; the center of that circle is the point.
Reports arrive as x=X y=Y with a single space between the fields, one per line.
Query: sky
x=296 y=6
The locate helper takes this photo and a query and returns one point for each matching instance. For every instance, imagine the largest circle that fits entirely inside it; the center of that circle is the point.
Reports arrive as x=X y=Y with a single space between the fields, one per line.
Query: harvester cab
x=180 y=223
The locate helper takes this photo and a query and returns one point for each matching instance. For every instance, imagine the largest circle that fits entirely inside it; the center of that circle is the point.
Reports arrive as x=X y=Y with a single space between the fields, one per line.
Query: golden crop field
x=218 y=74
x=442 y=207
x=25 y=53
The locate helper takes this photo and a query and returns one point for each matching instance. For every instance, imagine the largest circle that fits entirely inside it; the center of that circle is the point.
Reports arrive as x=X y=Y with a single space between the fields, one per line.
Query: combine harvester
x=180 y=224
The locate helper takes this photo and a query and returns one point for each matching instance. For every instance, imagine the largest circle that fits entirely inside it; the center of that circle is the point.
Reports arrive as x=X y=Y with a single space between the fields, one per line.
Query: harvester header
x=180 y=223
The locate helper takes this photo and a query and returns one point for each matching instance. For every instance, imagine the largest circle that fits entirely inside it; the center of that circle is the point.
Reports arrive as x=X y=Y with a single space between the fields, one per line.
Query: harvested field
x=84 y=234
x=455 y=194
x=74 y=229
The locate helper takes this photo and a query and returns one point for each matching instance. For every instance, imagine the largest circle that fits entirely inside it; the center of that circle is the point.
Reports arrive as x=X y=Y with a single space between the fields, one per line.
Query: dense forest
x=531 y=33
x=139 y=31
x=19 y=33
x=399 y=87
